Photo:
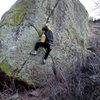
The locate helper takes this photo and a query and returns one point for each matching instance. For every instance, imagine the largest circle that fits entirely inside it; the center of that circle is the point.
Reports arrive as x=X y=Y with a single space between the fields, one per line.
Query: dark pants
x=44 y=45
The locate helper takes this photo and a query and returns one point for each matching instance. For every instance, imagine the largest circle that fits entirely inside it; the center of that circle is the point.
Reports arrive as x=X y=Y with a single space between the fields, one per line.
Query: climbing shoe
x=33 y=53
x=44 y=61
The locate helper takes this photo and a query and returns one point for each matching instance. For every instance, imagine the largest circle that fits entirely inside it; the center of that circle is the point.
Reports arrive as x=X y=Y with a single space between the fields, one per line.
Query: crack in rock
x=52 y=11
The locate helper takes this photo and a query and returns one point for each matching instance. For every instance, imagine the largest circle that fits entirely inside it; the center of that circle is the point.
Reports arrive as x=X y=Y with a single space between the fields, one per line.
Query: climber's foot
x=33 y=53
x=44 y=61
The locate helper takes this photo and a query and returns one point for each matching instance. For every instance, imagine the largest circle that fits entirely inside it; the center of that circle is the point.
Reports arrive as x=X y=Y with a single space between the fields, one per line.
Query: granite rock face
x=19 y=29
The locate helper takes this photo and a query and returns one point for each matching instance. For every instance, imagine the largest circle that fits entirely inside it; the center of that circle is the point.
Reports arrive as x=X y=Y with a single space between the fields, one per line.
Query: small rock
x=14 y=97
x=33 y=93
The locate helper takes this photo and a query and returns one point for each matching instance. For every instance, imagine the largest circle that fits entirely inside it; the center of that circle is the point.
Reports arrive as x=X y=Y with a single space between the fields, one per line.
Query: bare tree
x=97 y=4
x=96 y=7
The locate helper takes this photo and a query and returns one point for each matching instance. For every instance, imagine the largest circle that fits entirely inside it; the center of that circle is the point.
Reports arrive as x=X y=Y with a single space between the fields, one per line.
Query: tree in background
x=97 y=10
x=97 y=6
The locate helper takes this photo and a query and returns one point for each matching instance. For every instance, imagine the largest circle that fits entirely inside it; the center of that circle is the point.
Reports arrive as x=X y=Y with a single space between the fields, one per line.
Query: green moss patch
x=6 y=67
x=15 y=15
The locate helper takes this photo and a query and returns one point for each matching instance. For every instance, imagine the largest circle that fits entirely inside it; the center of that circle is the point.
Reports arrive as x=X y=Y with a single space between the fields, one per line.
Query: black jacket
x=49 y=37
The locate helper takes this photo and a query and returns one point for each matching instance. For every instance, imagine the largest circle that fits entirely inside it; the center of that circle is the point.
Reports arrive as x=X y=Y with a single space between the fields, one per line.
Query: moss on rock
x=0 y=35
x=17 y=13
x=15 y=17
x=5 y=67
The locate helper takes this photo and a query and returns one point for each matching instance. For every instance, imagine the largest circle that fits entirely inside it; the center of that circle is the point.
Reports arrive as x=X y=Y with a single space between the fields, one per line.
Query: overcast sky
x=89 y=5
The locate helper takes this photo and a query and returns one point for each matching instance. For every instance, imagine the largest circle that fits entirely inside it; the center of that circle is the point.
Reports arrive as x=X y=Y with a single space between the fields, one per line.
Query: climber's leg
x=38 y=44
x=47 y=47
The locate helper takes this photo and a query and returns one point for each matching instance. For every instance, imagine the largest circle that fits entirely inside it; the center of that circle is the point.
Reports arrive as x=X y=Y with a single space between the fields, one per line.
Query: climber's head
x=45 y=29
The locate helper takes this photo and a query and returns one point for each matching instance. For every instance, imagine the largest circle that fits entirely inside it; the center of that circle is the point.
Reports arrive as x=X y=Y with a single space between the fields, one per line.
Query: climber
x=46 y=42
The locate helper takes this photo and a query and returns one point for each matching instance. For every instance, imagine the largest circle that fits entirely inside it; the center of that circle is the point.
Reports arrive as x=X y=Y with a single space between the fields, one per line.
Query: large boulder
x=19 y=30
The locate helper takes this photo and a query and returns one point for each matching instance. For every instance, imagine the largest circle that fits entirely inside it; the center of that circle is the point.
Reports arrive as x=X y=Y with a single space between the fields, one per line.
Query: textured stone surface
x=69 y=22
